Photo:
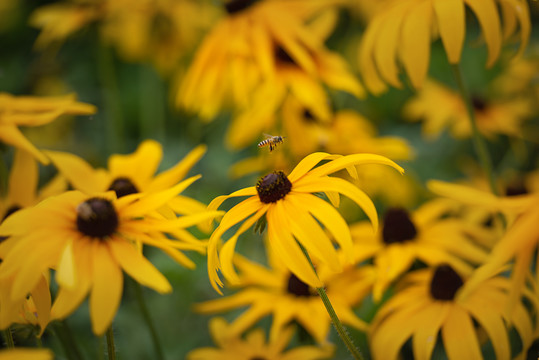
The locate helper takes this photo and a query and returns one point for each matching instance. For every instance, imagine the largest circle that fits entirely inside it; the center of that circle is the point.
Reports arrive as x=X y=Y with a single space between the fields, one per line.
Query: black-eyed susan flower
x=18 y=111
x=294 y=214
x=273 y=52
x=402 y=31
x=426 y=234
x=430 y=305
x=131 y=173
x=255 y=346
x=439 y=107
x=26 y=354
x=277 y=292
x=90 y=240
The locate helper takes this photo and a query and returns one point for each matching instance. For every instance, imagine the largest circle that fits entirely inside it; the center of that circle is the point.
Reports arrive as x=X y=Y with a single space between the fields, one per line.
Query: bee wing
x=268 y=136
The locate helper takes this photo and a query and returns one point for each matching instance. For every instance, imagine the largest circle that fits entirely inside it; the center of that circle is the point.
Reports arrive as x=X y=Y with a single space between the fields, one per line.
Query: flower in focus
x=254 y=346
x=89 y=240
x=427 y=234
x=34 y=111
x=280 y=293
x=132 y=173
x=439 y=107
x=294 y=216
x=273 y=51
x=403 y=30
x=26 y=354
x=430 y=303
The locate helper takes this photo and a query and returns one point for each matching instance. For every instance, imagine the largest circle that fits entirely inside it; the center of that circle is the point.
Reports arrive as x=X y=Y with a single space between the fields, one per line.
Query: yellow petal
x=350 y=160
x=451 y=23
x=9 y=134
x=136 y=266
x=26 y=354
x=78 y=172
x=41 y=296
x=431 y=319
x=107 y=289
x=459 y=337
x=522 y=13
x=488 y=17
x=367 y=67
x=306 y=164
x=23 y=179
x=140 y=165
x=65 y=272
x=415 y=48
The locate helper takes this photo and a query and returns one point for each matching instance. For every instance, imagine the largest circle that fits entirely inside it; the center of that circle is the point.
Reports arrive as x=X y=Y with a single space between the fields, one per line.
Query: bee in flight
x=272 y=141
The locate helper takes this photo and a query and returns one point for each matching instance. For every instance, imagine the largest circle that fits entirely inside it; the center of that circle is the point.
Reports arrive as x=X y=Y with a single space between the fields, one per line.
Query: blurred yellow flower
x=157 y=31
x=430 y=303
x=440 y=107
x=34 y=111
x=277 y=292
x=89 y=240
x=26 y=354
x=403 y=30
x=254 y=346
x=132 y=173
x=257 y=54
x=427 y=234
x=294 y=216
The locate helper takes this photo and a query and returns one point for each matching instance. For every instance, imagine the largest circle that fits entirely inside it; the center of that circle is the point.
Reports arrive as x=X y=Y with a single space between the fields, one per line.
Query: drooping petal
x=23 y=177
x=352 y=160
x=306 y=164
x=452 y=26
x=487 y=14
x=459 y=337
x=107 y=289
x=430 y=320
x=65 y=272
x=415 y=48
x=41 y=296
x=367 y=66
x=11 y=135
x=138 y=267
x=140 y=165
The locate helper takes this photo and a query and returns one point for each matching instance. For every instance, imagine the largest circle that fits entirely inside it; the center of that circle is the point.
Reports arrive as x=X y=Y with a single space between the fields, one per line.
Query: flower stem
x=65 y=335
x=478 y=140
x=111 y=348
x=341 y=330
x=8 y=337
x=148 y=320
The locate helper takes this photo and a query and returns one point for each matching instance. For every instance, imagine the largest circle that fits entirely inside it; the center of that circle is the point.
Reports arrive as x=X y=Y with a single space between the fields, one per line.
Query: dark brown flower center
x=445 y=283
x=478 y=103
x=297 y=287
x=236 y=6
x=122 y=186
x=273 y=187
x=258 y=358
x=516 y=188
x=283 y=56
x=397 y=226
x=11 y=210
x=97 y=217
x=308 y=116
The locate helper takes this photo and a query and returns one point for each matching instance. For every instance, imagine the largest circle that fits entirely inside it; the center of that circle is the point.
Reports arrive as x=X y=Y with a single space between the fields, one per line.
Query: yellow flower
x=89 y=240
x=404 y=29
x=34 y=111
x=440 y=107
x=430 y=303
x=22 y=185
x=132 y=173
x=258 y=53
x=26 y=354
x=294 y=213
x=254 y=346
x=280 y=293
x=425 y=234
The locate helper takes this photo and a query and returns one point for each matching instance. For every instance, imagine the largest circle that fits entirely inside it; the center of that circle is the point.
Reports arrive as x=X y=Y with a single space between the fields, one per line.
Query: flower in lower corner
x=34 y=111
x=295 y=215
x=430 y=305
x=277 y=292
x=427 y=234
x=90 y=240
x=255 y=347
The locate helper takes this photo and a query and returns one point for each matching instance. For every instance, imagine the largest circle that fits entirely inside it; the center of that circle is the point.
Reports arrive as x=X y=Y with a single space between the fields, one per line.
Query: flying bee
x=272 y=141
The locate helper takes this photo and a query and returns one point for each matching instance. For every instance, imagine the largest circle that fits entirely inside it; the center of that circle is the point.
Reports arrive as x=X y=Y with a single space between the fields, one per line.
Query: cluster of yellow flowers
x=445 y=268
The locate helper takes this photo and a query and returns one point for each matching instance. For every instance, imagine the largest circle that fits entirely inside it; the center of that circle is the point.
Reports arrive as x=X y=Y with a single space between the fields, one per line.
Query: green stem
x=39 y=342
x=479 y=142
x=111 y=349
x=148 y=320
x=152 y=114
x=8 y=337
x=341 y=330
x=65 y=335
